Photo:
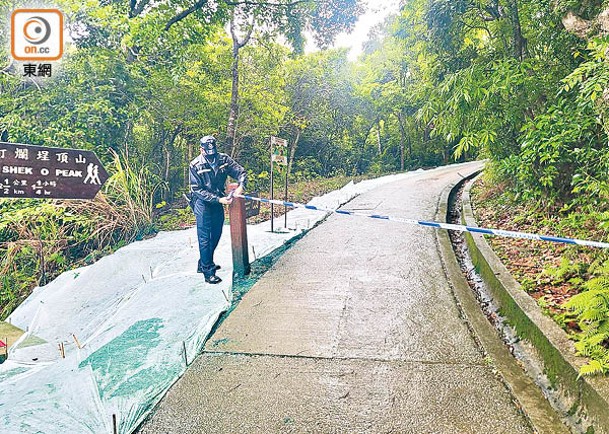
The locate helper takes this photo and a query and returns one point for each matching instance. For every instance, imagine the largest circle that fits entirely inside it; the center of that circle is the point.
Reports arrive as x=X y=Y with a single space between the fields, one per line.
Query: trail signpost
x=40 y=172
x=279 y=150
x=279 y=147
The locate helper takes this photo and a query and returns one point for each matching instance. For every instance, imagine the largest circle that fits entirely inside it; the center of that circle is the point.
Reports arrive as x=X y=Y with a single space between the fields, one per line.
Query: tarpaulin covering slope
x=133 y=314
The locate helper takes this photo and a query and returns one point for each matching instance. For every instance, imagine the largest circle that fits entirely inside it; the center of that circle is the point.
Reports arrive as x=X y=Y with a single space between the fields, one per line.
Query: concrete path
x=355 y=329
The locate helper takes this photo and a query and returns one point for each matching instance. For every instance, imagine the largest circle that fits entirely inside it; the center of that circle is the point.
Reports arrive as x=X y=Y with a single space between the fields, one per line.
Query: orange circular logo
x=36 y=30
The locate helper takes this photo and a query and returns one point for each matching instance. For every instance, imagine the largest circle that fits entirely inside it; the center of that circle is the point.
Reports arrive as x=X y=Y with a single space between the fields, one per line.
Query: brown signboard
x=28 y=171
x=252 y=207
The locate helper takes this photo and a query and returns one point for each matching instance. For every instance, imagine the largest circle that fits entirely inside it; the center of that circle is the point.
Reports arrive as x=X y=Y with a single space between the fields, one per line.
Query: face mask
x=208 y=145
x=209 y=149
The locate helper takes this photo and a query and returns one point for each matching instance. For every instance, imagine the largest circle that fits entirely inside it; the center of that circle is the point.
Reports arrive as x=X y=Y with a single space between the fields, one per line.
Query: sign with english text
x=40 y=172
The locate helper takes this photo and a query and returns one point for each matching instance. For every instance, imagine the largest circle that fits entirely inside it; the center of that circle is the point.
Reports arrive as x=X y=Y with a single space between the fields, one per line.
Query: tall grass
x=123 y=211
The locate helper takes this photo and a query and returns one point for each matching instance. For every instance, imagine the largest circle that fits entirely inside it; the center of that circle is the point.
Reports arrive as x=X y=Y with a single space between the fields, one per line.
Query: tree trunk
x=583 y=28
x=236 y=142
x=166 y=174
x=127 y=134
x=402 y=137
x=167 y=147
x=234 y=100
x=518 y=41
x=231 y=132
x=293 y=152
x=378 y=137
x=187 y=165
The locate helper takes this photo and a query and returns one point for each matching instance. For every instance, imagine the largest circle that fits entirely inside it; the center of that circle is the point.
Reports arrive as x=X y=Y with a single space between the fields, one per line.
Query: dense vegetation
x=522 y=84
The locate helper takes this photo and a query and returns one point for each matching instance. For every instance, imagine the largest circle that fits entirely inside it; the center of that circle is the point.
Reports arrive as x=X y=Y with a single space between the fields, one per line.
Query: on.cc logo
x=36 y=30
x=37 y=34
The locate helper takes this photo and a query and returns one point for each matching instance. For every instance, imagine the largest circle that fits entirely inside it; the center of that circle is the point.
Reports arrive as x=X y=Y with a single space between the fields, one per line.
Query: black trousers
x=210 y=220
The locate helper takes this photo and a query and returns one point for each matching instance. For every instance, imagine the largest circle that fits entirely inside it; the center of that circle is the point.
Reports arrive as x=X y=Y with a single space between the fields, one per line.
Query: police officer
x=208 y=173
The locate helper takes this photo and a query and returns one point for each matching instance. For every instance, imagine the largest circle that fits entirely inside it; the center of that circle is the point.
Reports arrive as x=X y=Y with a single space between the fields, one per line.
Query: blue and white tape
x=448 y=226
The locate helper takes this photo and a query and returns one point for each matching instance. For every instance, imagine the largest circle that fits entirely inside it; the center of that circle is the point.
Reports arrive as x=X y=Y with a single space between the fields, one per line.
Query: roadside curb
x=529 y=397
x=586 y=395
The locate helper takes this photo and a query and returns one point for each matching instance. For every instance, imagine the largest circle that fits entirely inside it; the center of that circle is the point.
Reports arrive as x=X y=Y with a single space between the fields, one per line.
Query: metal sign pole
x=285 y=208
x=271 y=139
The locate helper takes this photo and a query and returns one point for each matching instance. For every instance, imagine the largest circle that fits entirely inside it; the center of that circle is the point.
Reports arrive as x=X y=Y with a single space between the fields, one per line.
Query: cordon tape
x=448 y=226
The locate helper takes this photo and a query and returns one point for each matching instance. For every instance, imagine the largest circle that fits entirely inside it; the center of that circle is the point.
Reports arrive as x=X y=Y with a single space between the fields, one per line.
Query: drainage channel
x=523 y=351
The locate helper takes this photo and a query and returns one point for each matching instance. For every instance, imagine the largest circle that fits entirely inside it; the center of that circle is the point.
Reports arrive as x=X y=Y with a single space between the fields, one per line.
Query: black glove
x=190 y=199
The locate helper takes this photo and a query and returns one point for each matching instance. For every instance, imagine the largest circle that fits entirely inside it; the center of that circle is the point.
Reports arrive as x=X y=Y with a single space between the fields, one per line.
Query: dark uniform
x=207 y=182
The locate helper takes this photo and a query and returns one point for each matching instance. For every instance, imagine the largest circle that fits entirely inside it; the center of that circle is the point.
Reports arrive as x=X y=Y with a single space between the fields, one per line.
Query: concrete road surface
x=354 y=330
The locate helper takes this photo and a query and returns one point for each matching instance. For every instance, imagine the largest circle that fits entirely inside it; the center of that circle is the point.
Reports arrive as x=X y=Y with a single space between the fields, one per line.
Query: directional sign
x=279 y=150
x=277 y=141
x=28 y=171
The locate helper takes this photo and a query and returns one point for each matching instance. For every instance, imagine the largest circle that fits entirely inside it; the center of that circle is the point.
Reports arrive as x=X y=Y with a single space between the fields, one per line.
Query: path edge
x=528 y=396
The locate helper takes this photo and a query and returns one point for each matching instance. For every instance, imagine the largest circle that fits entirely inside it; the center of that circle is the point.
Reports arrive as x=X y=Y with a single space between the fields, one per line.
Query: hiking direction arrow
x=28 y=171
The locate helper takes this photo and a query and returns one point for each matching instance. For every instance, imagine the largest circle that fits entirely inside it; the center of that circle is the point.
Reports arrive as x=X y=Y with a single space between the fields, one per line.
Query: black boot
x=213 y=279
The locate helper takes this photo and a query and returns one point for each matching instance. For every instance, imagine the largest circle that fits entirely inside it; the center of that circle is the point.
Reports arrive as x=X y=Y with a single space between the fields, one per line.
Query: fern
x=594 y=367
x=591 y=311
x=572 y=271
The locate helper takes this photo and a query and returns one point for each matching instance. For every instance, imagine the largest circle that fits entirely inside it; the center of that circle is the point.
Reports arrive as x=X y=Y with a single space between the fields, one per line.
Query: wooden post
x=185 y=354
x=238 y=236
x=76 y=341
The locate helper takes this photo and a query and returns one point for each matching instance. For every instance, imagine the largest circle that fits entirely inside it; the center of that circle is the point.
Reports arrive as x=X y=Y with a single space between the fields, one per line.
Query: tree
x=324 y=19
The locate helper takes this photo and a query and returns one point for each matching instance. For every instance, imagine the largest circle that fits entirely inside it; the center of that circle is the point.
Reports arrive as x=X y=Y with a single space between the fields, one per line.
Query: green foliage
x=175 y=219
x=562 y=150
x=326 y=116
x=131 y=192
x=591 y=311
x=36 y=240
x=569 y=271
